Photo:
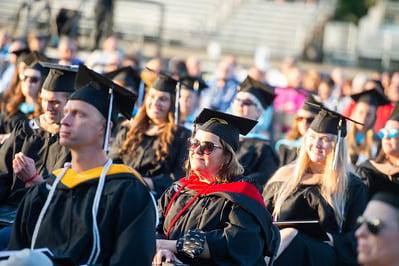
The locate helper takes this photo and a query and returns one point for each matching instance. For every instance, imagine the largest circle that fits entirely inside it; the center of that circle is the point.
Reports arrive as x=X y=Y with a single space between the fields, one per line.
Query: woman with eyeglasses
x=378 y=230
x=317 y=194
x=255 y=154
x=23 y=103
x=215 y=216
x=362 y=141
x=384 y=170
x=287 y=148
x=152 y=143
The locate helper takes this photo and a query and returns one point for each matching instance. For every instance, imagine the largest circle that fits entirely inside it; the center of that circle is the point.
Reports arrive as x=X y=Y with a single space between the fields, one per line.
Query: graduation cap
x=106 y=96
x=330 y=122
x=311 y=107
x=60 y=78
x=372 y=97
x=263 y=92
x=127 y=76
x=34 y=57
x=193 y=83
x=226 y=126
x=20 y=52
x=165 y=83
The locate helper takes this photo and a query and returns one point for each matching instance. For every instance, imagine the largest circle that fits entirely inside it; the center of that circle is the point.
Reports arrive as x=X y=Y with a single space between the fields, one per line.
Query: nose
x=65 y=121
x=361 y=231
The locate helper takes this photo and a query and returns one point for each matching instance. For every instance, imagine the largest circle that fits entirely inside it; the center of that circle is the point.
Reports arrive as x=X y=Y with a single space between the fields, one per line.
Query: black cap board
x=389 y=198
x=312 y=106
x=34 y=57
x=193 y=84
x=225 y=126
x=328 y=121
x=60 y=78
x=19 y=52
x=94 y=88
x=166 y=84
x=263 y=92
x=372 y=97
x=128 y=76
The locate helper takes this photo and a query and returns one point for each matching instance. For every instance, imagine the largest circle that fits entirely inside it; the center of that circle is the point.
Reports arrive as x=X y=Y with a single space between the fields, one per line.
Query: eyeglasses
x=373 y=224
x=308 y=120
x=32 y=79
x=244 y=102
x=388 y=133
x=205 y=147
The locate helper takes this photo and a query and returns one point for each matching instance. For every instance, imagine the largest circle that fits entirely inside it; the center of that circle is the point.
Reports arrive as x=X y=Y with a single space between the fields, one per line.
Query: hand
x=24 y=168
x=164 y=255
x=4 y=137
x=149 y=182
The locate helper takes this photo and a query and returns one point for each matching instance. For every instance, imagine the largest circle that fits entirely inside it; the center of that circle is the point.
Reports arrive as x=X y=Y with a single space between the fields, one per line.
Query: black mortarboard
x=60 y=77
x=389 y=198
x=34 y=57
x=226 y=126
x=165 y=83
x=395 y=112
x=193 y=83
x=331 y=122
x=99 y=91
x=263 y=92
x=21 y=52
x=128 y=76
x=311 y=107
x=372 y=97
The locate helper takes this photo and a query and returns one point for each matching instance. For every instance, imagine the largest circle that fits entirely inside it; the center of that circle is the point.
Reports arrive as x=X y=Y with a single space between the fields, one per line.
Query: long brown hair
x=294 y=133
x=364 y=148
x=139 y=126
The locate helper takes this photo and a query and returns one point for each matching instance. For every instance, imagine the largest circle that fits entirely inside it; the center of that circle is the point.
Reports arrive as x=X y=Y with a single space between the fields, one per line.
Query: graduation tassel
x=177 y=111
x=108 y=126
x=336 y=154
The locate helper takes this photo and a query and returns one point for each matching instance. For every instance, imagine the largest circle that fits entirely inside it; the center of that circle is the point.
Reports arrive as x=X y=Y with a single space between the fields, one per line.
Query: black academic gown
x=375 y=179
x=258 y=159
x=35 y=142
x=238 y=228
x=287 y=153
x=143 y=159
x=306 y=203
x=7 y=124
x=126 y=218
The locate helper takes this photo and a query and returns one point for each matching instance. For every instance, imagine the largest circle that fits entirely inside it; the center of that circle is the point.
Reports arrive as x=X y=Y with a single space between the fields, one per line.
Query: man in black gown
x=96 y=212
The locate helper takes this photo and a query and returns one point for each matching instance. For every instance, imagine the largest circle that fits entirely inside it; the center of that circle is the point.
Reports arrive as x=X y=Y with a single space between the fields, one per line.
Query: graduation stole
x=203 y=188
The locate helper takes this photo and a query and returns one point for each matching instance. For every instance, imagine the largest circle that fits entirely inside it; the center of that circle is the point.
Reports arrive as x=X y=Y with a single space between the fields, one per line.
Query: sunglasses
x=308 y=120
x=388 y=133
x=32 y=79
x=373 y=224
x=205 y=147
x=244 y=102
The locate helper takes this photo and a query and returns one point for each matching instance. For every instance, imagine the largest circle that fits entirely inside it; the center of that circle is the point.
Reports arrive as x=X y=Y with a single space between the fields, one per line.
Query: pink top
x=288 y=100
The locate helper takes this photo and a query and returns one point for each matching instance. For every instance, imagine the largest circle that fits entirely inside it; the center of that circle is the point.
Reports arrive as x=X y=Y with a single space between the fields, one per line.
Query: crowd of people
x=111 y=160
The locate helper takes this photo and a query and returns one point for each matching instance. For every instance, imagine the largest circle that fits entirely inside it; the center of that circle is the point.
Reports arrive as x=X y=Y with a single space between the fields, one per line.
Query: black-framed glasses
x=245 y=102
x=388 y=133
x=32 y=79
x=205 y=147
x=373 y=224
x=308 y=120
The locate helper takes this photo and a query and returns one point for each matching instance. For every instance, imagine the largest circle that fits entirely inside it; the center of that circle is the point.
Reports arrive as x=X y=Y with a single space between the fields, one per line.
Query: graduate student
x=92 y=210
x=214 y=215
x=33 y=149
x=152 y=143
x=254 y=152
x=318 y=187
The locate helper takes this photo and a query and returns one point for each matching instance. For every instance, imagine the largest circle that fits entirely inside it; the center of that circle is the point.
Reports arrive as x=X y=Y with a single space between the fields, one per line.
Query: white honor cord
x=156 y=210
x=46 y=204
x=335 y=162
x=96 y=249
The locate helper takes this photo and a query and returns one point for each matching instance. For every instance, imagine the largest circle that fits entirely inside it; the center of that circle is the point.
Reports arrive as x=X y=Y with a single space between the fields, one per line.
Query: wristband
x=192 y=244
x=31 y=178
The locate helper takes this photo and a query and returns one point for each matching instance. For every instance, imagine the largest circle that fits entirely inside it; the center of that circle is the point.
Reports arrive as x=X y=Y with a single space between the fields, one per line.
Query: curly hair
x=139 y=126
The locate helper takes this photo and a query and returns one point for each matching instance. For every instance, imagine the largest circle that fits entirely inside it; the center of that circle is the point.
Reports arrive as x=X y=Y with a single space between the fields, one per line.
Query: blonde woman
x=318 y=187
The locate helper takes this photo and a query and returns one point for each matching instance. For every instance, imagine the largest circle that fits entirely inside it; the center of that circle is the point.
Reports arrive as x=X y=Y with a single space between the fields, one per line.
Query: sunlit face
x=303 y=119
x=364 y=113
x=82 y=125
x=318 y=145
x=204 y=164
x=324 y=91
x=188 y=102
x=381 y=248
x=30 y=82
x=158 y=104
x=244 y=105
x=390 y=146
x=53 y=104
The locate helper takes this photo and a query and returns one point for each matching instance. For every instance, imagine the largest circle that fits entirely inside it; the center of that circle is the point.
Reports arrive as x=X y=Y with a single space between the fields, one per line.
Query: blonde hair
x=333 y=183
x=230 y=168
